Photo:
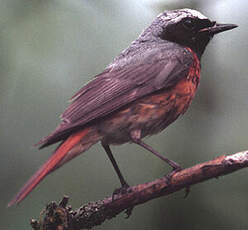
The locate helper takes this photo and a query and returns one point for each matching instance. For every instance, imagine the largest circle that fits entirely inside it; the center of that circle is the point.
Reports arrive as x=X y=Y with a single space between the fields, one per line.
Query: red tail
x=51 y=164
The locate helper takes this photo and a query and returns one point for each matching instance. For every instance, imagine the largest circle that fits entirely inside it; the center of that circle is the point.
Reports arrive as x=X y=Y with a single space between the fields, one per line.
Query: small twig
x=62 y=217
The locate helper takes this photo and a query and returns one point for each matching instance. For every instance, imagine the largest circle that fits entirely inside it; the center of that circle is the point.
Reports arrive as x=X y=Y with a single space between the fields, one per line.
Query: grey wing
x=113 y=89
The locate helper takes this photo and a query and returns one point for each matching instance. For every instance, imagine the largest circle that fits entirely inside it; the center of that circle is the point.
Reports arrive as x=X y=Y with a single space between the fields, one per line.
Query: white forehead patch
x=177 y=15
x=195 y=13
x=163 y=17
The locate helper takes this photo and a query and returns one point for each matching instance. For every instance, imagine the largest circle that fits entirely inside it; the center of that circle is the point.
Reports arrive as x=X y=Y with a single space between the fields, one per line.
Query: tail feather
x=56 y=160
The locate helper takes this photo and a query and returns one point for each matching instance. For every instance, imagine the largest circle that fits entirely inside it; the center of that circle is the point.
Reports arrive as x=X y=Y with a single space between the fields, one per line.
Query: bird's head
x=187 y=27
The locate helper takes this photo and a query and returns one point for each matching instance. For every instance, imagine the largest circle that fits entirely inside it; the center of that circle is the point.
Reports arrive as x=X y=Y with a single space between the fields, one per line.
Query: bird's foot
x=187 y=190
x=124 y=189
x=120 y=191
x=171 y=174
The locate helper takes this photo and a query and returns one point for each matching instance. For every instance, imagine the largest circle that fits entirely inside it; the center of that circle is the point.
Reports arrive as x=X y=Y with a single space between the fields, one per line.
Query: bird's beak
x=218 y=28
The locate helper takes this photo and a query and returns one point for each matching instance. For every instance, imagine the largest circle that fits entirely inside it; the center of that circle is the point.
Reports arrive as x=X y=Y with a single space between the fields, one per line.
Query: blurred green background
x=50 y=48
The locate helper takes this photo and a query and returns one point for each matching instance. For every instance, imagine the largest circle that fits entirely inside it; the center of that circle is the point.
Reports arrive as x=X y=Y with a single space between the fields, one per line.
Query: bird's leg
x=135 y=135
x=124 y=184
x=136 y=138
x=107 y=149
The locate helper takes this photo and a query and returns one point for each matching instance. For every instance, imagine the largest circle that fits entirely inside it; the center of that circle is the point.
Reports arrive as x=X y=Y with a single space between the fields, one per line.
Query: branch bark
x=62 y=217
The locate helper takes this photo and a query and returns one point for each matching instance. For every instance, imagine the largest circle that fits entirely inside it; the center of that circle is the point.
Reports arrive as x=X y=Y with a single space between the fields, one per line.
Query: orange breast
x=154 y=112
x=168 y=104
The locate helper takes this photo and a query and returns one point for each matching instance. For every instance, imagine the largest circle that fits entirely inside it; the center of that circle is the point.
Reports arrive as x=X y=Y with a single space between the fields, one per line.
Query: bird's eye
x=189 y=23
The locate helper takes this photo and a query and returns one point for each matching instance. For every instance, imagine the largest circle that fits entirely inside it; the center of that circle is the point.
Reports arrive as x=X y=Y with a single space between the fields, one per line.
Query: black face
x=193 y=32
x=187 y=32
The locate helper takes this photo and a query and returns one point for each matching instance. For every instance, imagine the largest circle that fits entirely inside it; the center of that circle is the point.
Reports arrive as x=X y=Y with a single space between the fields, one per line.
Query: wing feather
x=115 y=88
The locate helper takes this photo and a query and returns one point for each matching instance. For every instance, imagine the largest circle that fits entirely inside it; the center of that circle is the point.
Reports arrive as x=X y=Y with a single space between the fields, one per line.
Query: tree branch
x=62 y=217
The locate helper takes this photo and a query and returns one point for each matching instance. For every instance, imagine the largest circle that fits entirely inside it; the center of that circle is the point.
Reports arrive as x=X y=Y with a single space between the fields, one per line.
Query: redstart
x=146 y=88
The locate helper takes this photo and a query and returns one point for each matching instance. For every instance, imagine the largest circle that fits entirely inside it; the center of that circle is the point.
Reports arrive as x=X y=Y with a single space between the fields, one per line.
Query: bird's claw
x=128 y=212
x=125 y=188
x=120 y=191
x=187 y=191
x=171 y=174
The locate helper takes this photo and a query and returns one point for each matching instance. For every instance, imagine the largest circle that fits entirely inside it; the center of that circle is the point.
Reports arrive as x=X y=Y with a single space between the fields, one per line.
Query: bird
x=142 y=91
